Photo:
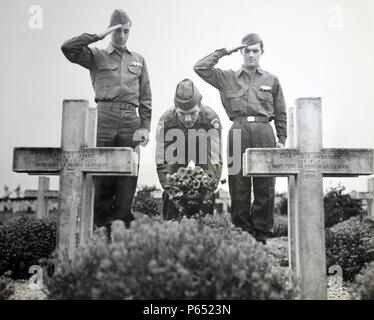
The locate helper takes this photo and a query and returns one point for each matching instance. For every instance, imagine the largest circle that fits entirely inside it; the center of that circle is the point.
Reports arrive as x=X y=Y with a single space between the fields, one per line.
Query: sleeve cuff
x=92 y=37
x=282 y=140
x=220 y=53
x=146 y=124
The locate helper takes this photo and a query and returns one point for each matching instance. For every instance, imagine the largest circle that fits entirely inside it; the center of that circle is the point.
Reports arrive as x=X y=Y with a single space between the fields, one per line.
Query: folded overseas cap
x=186 y=95
x=120 y=17
x=251 y=39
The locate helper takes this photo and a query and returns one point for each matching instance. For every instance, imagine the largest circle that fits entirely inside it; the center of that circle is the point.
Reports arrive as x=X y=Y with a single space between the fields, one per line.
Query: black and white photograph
x=187 y=150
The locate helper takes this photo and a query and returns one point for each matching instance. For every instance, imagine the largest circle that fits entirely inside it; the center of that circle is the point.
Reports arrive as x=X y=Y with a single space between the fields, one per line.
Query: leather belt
x=252 y=119
x=116 y=105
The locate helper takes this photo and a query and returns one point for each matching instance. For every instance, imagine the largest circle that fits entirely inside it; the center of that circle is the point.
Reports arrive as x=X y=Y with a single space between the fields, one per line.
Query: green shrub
x=350 y=245
x=6 y=286
x=153 y=259
x=339 y=206
x=23 y=243
x=145 y=203
x=363 y=289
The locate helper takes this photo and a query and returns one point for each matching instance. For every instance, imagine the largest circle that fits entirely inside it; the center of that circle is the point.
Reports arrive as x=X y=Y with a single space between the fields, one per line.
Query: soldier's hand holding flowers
x=190 y=188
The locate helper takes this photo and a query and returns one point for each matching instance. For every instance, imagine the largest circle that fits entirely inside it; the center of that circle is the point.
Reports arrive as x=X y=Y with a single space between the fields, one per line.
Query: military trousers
x=259 y=215
x=114 y=195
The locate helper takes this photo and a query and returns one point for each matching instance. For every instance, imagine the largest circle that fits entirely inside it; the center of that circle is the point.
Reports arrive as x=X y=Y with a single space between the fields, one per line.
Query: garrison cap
x=252 y=38
x=186 y=95
x=120 y=17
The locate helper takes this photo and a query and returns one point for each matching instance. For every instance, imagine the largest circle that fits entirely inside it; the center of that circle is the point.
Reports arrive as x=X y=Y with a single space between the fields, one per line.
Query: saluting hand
x=104 y=33
x=232 y=50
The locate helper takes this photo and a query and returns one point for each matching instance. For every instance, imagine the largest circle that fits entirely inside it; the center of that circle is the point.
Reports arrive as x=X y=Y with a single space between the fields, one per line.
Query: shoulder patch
x=216 y=124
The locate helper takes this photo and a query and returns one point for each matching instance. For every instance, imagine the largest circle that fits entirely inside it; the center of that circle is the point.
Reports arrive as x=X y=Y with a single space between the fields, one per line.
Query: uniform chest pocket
x=107 y=66
x=135 y=70
x=106 y=72
x=264 y=95
x=237 y=99
x=234 y=94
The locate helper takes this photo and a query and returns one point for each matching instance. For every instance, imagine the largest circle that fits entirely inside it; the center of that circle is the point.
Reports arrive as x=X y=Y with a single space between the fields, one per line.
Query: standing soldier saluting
x=252 y=98
x=121 y=84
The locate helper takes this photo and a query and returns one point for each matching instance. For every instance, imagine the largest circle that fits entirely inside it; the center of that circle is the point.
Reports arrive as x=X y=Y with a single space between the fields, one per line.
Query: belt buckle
x=251 y=119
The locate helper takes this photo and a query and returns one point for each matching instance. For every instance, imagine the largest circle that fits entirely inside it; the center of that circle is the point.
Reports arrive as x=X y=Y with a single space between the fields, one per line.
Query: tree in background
x=18 y=191
x=340 y=206
x=7 y=192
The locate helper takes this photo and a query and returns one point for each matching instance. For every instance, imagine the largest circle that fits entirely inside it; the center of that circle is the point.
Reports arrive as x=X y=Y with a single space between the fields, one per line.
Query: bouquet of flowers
x=190 y=188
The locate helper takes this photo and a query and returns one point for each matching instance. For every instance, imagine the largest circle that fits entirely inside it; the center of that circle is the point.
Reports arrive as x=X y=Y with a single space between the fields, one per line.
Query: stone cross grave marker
x=85 y=220
x=76 y=162
x=291 y=204
x=42 y=195
x=368 y=196
x=308 y=163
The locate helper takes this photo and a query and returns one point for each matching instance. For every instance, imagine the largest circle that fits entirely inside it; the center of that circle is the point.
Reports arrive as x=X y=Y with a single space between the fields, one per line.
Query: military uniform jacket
x=115 y=76
x=243 y=95
x=174 y=139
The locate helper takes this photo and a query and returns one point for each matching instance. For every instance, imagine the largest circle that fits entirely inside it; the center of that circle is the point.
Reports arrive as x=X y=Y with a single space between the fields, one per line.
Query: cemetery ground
x=273 y=257
x=276 y=246
x=202 y=257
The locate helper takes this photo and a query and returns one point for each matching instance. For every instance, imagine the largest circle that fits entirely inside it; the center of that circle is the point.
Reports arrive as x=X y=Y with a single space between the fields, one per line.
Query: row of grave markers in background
x=305 y=163
x=43 y=193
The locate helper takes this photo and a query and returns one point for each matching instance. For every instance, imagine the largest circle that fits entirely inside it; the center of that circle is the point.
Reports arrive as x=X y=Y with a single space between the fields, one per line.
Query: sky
x=317 y=48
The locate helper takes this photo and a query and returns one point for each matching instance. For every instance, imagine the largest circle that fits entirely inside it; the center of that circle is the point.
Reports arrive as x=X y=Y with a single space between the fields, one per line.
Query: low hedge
x=23 y=243
x=205 y=258
x=350 y=245
x=363 y=289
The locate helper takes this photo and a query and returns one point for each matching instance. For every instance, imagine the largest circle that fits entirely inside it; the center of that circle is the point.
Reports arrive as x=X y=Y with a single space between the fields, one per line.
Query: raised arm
x=206 y=69
x=76 y=50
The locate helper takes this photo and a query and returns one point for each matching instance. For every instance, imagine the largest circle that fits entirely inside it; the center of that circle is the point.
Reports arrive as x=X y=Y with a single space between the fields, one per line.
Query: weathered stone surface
x=103 y=161
x=86 y=220
x=76 y=162
x=308 y=163
x=36 y=161
x=367 y=196
x=292 y=201
x=370 y=198
x=42 y=202
x=329 y=162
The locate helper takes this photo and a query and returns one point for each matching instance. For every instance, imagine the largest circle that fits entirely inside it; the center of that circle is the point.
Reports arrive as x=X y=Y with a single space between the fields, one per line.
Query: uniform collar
x=111 y=49
x=241 y=70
